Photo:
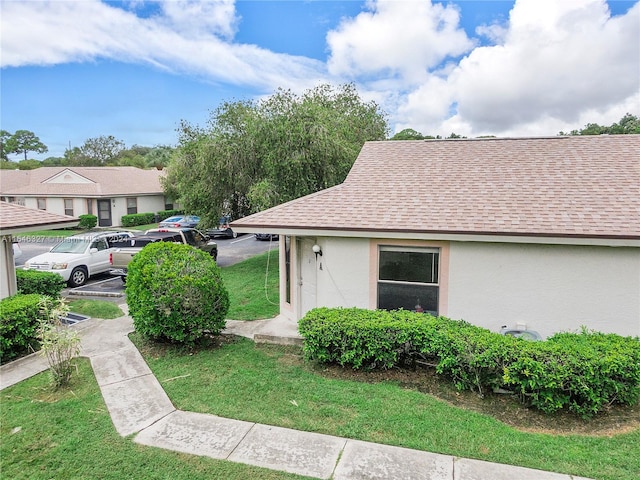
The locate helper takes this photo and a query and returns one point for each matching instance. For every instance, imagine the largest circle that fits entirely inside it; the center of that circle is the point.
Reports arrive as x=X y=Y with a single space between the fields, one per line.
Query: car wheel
x=214 y=254
x=78 y=277
x=124 y=280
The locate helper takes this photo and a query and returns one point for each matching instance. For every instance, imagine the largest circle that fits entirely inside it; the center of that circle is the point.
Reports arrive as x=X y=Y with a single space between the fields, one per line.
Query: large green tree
x=98 y=151
x=254 y=155
x=23 y=141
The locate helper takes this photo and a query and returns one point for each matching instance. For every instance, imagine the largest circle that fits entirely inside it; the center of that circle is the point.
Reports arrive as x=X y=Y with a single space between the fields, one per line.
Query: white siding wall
x=344 y=278
x=548 y=288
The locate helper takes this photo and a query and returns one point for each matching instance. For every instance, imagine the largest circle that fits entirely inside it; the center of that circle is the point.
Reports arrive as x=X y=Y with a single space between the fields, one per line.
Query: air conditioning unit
x=520 y=331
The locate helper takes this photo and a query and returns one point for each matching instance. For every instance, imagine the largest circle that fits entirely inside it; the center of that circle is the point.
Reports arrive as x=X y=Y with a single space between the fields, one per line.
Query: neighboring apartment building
x=107 y=192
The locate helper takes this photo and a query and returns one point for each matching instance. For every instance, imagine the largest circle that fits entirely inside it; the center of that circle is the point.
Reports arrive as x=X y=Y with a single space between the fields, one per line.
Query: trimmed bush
x=581 y=372
x=87 y=222
x=136 y=219
x=20 y=317
x=168 y=213
x=175 y=292
x=41 y=283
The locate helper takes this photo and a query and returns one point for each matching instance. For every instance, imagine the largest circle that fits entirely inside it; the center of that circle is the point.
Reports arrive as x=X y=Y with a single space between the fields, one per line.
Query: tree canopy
x=254 y=155
x=628 y=124
x=98 y=151
x=22 y=141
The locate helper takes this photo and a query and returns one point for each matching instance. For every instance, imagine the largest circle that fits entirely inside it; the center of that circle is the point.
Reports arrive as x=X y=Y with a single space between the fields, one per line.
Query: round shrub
x=175 y=293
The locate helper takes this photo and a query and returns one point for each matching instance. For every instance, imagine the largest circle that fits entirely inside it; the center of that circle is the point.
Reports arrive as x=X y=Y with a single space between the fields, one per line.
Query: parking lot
x=230 y=251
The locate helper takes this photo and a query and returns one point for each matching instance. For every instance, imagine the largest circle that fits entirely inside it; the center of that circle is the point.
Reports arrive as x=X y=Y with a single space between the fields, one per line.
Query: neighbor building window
x=68 y=206
x=42 y=203
x=89 y=206
x=408 y=278
x=132 y=205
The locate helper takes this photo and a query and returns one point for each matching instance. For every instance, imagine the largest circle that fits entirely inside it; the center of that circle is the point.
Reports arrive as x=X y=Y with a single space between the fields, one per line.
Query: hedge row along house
x=537 y=234
x=107 y=192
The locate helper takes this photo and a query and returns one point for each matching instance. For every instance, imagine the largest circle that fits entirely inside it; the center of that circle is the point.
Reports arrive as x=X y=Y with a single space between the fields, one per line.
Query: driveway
x=230 y=251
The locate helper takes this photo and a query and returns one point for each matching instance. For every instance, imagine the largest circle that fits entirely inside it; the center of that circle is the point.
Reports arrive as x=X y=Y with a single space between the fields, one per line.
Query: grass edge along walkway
x=269 y=385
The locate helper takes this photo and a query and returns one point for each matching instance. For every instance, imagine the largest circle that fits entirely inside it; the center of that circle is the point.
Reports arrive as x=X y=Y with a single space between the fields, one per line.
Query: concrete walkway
x=139 y=406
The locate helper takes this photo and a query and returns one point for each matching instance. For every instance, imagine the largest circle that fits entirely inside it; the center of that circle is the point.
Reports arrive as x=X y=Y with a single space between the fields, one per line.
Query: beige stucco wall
x=343 y=272
x=146 y=204
x=547 y=287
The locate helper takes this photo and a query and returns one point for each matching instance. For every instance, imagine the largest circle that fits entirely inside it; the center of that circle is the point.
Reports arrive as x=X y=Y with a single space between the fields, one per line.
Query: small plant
x=59 y=343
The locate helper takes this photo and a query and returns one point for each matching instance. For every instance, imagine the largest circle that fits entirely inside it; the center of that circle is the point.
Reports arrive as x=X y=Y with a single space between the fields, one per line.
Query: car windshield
x=173 y=219
x=72 y=245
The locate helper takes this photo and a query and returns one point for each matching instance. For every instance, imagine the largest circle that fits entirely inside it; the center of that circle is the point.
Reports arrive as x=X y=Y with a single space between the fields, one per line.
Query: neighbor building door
x=104 y=213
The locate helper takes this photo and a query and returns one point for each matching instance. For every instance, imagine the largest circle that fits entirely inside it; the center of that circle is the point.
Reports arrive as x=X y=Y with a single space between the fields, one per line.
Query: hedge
x=41 y=283
x=582 y=372
x=168 y=213
x=19 y=319
x=87 y=222
x=136 y=219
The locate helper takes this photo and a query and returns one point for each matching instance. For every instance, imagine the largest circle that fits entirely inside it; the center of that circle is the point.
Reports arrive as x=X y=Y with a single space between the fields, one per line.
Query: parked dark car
x=180 y=221
x=267 y=236
x=223 y=230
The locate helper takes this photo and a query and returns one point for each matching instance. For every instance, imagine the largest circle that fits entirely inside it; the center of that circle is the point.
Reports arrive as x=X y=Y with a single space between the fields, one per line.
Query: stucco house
x=108 y=192
x=16 y=219
x=530 y=233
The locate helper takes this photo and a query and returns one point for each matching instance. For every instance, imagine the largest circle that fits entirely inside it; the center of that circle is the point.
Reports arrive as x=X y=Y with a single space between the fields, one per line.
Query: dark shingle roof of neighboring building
x=579 y=186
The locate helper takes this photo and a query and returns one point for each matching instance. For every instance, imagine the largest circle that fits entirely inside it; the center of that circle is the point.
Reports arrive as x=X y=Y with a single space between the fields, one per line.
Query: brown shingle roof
x=585 y=186
x=15 y=218
x=106 y=181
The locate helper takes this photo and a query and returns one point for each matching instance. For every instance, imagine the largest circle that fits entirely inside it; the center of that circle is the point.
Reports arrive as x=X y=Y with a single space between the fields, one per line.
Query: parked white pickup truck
x=78 y=257
x=122 y=255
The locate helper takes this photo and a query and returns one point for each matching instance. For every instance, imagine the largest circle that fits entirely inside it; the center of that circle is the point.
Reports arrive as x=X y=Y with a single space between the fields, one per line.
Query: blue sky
x=78 y=69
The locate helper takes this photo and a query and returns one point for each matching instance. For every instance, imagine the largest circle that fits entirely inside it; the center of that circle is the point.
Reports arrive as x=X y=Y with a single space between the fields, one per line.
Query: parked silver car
x=180 y=221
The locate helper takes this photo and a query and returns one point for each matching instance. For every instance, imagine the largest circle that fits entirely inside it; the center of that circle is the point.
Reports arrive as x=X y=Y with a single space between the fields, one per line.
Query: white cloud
x=553 y=65
x=187 y=37
x=196 y=17
x=400 y=38
x=558 y=63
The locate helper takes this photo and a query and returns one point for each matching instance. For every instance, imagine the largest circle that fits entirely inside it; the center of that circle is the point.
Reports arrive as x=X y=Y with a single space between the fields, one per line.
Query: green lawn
x=252 y=292
x=269 y=384
x=69 y=435
x=96 y=308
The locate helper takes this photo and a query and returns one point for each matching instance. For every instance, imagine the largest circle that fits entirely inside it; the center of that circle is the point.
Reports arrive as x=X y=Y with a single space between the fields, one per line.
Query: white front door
x=308 y=272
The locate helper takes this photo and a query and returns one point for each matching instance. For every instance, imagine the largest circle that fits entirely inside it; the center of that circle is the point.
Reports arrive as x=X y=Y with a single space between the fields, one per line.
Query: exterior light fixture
x=317 y=250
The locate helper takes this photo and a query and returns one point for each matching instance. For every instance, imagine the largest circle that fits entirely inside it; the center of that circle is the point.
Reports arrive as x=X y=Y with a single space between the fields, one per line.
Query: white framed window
x=42 y=203
x=132 y=205
x=68 y=206
x=408 y=278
